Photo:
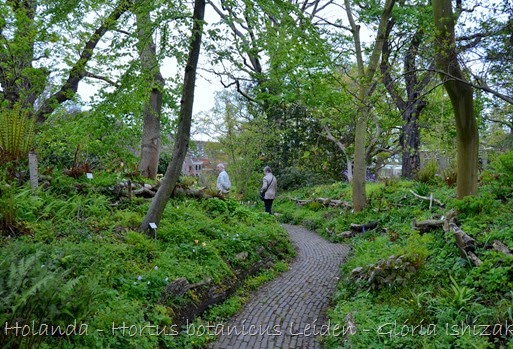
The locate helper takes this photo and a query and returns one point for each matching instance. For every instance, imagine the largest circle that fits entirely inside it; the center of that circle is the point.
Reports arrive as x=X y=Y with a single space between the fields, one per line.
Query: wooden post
x=33 y=170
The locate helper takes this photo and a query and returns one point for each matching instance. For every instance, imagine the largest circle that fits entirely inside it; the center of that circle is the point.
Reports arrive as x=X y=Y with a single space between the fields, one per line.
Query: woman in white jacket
x=269 y=186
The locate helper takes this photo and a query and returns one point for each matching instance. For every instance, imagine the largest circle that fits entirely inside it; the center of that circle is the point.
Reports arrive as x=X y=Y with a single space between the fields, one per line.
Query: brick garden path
x=288 y=311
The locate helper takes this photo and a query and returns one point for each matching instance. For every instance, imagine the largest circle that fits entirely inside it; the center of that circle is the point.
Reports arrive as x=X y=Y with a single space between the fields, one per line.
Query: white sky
x=203 y=98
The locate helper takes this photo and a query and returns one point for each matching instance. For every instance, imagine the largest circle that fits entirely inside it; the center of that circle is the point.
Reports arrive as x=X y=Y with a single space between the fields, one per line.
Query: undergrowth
x=80 y=275
x=403 y=289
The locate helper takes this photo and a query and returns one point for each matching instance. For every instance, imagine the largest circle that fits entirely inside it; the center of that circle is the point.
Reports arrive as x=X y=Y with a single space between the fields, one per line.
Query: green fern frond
x=16 y=134
x=32 y=290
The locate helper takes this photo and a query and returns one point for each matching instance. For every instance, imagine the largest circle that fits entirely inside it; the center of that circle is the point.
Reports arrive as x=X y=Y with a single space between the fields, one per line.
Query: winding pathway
x=288 y=312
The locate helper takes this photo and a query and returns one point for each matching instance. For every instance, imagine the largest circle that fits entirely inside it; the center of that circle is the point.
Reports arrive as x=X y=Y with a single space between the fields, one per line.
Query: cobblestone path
x=288 y=311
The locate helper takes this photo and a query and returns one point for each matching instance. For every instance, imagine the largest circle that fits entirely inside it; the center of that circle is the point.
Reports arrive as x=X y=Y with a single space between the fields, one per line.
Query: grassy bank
x=76 y=273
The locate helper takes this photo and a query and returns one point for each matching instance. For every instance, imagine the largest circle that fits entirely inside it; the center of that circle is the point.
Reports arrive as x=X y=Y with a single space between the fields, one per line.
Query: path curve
x=288 y=311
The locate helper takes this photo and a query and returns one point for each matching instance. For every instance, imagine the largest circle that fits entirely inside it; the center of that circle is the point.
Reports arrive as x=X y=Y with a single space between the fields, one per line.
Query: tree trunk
x=360 y=163
x=173 y=170
x=365 y=88
x=150 y=142
x=411 y=106
x=410 y=144
x=460 y=93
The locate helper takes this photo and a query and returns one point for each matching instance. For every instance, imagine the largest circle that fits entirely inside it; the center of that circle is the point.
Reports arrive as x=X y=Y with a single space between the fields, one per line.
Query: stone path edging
x=288 y=312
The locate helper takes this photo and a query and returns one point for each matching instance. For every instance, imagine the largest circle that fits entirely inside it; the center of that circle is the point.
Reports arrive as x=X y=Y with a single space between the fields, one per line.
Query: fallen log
x=350 y=328
x=194 y=193
x=450 y=217
x=474 y=259
x=347 y=234
x=181 y=285
x=464 y=241
x=324 y=202
x=430 y=199
x=205 y=293
x=466 y=244
x=130 y=189
x=144 y=192
x=428 y=225
x=361 y=228
x=499 y=246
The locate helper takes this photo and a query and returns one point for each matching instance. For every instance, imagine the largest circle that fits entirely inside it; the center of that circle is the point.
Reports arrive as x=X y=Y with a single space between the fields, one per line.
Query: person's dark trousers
x=268 y=203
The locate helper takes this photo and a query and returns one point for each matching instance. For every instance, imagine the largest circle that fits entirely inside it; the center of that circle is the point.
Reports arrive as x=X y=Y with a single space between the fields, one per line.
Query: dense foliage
x=313 y=99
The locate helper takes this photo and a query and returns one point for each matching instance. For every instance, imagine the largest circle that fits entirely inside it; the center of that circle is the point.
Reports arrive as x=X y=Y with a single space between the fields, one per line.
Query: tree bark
x=173 y=170
x=461 y=96
x=150 y=141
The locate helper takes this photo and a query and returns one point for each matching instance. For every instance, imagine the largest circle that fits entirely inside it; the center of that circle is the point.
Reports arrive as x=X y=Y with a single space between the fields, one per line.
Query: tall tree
x=181 y=145
x=366 y=87
x=152 y=77
x=461 y=95
x=408 y=91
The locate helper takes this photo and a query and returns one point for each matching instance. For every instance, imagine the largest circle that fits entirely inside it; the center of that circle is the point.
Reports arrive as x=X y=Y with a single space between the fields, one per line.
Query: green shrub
x=427 y=174
x=16 y=134
x=450 y=176
x=293 y=178
x=87 y=137
x=215 y=206
x=493 y=276
x=422 y=188
x=499 y=176
x=244 y=214
x=484 y=203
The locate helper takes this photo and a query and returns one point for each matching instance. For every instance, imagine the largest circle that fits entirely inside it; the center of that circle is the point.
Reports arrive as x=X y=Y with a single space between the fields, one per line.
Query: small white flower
x=135 y=283
x=156 y=267
x=43 y=266
x=149 y=282
x=166 y=279
x=139 y=278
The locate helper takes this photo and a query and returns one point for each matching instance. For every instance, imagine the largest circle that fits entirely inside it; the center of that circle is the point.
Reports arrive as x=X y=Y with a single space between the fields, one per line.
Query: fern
x=16 y=134
x=33 y=291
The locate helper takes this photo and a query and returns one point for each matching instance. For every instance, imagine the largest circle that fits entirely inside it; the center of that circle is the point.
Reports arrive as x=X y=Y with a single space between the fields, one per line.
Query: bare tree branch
x=480 y=85
x=102 y=78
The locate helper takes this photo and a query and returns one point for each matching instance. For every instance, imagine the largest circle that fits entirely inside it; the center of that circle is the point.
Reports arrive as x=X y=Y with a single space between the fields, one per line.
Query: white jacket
x=223 y=182
x=269 y=183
